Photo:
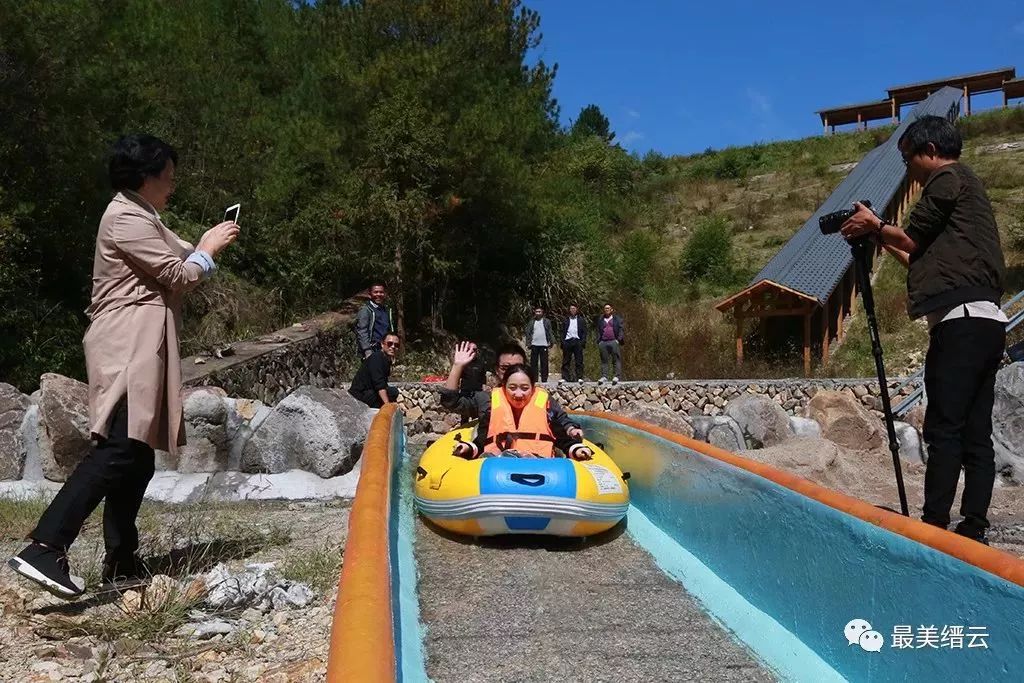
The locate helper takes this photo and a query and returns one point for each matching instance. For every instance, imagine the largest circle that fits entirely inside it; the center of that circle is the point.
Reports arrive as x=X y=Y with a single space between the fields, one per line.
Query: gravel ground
x=47 y=639
x=519 y=609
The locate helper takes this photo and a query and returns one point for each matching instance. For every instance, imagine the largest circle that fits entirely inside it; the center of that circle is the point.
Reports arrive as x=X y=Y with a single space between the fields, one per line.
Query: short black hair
x=378 y=283
x=510 y=349
x=133 y=158
x=523 y=368
x=934 y=129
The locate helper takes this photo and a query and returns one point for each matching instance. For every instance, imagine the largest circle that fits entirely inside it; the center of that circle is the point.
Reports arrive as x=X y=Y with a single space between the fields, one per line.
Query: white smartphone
x=231 y=213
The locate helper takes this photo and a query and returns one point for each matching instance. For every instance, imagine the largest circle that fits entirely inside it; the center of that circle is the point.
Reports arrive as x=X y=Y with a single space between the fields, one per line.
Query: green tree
x=592 y=121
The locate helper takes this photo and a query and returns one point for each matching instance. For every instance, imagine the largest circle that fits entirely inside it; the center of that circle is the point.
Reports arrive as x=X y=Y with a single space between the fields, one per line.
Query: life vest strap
x=519 y=435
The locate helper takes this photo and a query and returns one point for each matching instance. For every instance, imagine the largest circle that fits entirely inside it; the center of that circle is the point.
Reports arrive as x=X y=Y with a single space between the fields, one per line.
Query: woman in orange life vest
x=522 y=418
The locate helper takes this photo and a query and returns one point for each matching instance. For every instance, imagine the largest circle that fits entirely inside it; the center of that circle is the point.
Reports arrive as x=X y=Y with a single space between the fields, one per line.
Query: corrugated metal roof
x=813 y=263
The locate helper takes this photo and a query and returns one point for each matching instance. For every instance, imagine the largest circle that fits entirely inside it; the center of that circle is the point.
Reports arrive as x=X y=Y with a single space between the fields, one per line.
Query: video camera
x=830 y=223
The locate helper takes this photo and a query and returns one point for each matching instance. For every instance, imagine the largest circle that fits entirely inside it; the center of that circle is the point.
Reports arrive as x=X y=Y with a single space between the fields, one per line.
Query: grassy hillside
x=765 y=193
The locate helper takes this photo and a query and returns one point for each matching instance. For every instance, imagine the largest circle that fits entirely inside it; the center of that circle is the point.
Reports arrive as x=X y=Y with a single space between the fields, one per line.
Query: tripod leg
x=860 y=261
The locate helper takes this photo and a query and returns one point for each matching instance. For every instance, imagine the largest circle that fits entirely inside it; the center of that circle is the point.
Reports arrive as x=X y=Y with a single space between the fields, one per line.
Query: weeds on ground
x=317 y=567
x=180 y=541
x=20 y=515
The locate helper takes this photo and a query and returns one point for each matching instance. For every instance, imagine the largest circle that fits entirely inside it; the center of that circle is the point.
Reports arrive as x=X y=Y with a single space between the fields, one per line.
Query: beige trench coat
x=131 y=347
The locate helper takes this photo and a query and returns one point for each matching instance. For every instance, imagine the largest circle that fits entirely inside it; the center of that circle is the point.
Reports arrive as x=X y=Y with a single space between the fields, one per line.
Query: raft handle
x=625 y=476
x=527 y=479
x=420 y=473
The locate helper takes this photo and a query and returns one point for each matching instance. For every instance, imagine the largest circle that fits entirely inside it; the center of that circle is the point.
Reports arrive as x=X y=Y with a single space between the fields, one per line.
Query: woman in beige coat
x=141 y=270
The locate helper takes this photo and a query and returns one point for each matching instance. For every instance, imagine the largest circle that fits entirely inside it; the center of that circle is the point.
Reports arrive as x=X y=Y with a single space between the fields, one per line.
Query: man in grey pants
x=539 y=339
x=610 y=338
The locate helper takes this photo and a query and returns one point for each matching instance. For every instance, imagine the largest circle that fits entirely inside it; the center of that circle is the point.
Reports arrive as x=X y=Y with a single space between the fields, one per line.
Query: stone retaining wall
x=423 y=412
x=318 y=352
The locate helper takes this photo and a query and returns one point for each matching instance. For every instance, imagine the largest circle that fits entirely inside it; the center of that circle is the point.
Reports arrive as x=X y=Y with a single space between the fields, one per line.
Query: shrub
x=708 y=253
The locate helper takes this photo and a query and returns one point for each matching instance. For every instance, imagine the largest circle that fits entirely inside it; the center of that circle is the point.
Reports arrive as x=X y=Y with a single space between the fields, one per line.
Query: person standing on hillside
x=539 y=337
x=574 y=340
x=955 y=281
x=141 y=272
x=373 y=321
x=611 y=335
x=370 y=385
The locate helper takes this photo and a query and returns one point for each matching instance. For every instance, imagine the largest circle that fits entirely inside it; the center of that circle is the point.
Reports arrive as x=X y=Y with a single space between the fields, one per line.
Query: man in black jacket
x=574 y=340
x=370 y=385
x=955 y=280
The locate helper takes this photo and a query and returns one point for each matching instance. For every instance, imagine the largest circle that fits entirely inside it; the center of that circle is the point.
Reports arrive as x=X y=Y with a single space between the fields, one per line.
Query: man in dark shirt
x=373 y=321
x=370 y=385
x=955 y=280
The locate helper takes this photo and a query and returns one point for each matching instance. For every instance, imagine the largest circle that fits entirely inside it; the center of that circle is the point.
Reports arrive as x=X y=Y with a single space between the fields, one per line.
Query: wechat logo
x=859 y=632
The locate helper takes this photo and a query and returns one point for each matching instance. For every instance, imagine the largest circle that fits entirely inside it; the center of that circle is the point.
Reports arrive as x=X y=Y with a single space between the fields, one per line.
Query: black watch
x=881 y=224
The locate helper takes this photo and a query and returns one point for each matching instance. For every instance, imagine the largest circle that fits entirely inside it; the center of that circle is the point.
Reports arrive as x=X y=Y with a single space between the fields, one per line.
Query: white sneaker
x=581 y=380
x=615 y=380
x=602 y=380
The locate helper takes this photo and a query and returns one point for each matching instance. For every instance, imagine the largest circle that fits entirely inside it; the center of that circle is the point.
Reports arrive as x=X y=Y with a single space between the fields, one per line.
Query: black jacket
x=373 y=374
x=581 y=330
x=958 y=257
x=557 y=419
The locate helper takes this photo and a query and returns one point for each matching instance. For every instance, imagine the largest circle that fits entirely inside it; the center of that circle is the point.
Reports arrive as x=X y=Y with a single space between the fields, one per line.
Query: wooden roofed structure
x=811 y=277
x=898 y=96
x=1012 y=89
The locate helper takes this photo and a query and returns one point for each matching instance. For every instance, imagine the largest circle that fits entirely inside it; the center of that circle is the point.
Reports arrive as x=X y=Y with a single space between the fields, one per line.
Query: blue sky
x=680 y=76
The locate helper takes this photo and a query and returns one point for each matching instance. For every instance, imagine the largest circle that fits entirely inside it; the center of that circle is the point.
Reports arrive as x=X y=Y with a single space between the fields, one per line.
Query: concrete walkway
x=520 y=609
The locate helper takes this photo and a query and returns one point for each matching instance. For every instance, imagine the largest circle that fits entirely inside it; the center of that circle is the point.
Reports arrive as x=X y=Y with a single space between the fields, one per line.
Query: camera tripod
x=861 y=249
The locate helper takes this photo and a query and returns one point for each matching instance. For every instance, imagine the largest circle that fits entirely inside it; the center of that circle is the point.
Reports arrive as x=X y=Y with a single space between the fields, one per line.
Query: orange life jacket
x=531 y=435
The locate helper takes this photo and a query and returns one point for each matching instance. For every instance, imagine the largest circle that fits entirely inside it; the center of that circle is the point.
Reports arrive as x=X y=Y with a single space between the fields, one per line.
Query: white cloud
x=632 y=113
x=759 y=102
x=631 y=136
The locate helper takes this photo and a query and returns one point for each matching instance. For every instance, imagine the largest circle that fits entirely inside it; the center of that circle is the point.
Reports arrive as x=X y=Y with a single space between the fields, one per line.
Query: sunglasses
x=391 y=345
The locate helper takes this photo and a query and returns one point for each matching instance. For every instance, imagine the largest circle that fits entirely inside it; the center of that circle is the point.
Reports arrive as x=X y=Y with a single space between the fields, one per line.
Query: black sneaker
x=972 y=532
x=124 y=574
x=48 y=568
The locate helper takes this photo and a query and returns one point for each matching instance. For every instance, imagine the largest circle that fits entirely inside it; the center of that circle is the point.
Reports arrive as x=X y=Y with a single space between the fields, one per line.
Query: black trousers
x=540 y=353
x=572 y=353
x=372 y=398
x=117 y=469
x=960 y=375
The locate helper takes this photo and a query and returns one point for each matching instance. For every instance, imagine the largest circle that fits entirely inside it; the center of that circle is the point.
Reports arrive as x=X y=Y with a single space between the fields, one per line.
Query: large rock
x=206 y=434
x=845 y=421
x=317 y=430
x=1008 y=422
x=804 y=426
x=764 y=422
x=13 y=406
x=64 y=435
x=911 y=443
x=720 y=431
x=660 y=416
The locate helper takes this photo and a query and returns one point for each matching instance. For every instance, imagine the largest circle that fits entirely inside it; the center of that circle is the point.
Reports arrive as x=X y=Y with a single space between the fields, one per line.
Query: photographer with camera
x=955 y=279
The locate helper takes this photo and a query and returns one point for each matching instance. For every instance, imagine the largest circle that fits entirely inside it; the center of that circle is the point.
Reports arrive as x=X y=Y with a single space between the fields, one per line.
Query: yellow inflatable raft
x=501 y=495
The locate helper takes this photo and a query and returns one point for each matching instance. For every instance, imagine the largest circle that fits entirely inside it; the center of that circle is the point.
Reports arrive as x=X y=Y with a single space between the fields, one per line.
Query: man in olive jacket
x=955 y=280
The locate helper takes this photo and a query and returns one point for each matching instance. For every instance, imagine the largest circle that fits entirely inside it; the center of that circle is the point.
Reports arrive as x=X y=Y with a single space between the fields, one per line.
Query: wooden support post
x=841 y=291
x=826 y=320
x=807 y=344
x=825 y=120
x=967 y=101
x=739 y=340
